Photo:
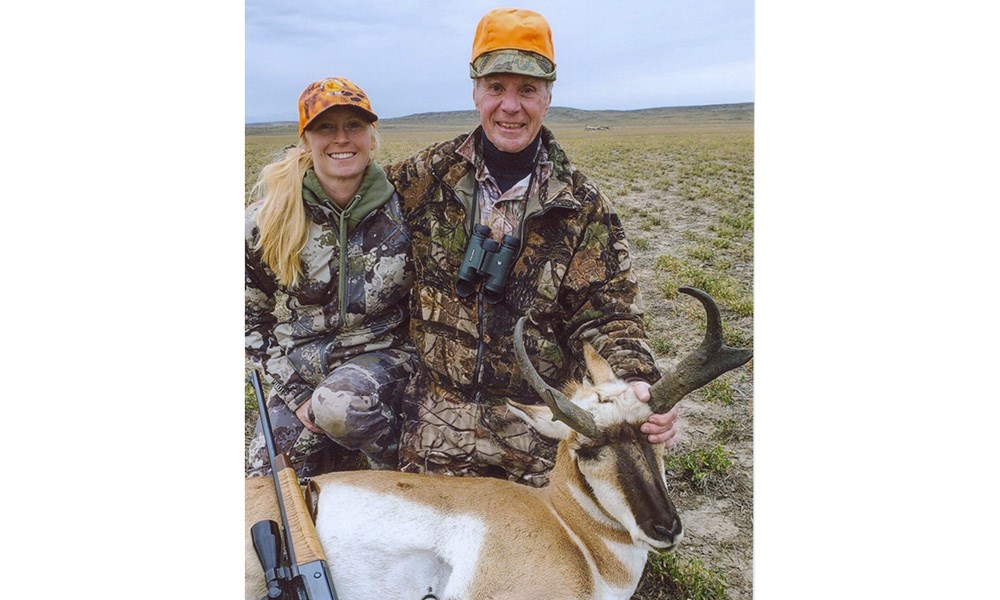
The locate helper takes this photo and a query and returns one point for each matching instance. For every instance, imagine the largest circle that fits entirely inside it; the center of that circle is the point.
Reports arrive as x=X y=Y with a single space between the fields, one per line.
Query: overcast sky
x=413 y=56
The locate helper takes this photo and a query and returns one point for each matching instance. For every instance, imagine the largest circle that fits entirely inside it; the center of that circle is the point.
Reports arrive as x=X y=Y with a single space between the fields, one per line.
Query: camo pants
x=357 y=405
x=446 y=434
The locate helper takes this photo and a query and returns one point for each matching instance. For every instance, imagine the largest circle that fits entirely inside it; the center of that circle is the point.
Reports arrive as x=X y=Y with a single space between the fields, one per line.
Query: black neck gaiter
x=507 y=168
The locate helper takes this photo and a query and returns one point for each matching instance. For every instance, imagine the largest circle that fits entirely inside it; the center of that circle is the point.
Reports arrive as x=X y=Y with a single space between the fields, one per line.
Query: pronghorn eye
x=591 y=452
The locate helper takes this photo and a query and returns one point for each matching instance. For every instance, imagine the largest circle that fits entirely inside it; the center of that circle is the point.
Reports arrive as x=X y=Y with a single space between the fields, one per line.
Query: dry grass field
x=682 y=181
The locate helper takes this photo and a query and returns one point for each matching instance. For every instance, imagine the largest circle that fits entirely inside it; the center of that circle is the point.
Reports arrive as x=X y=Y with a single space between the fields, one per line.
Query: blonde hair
x=282 y=218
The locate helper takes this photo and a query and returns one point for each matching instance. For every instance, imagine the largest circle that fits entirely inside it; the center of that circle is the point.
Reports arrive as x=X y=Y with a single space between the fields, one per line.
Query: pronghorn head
x=599 y=427
x=622 y=470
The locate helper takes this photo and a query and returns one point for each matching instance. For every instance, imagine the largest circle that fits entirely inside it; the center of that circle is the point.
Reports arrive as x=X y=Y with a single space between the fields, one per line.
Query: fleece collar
x=375 y=191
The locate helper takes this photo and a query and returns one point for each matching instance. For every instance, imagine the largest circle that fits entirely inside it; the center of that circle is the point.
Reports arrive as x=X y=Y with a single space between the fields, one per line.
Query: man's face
x=511 y=108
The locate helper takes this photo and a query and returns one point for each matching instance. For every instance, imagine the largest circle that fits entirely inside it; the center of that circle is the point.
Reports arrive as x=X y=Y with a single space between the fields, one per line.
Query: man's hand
x=660 y=426
x=302 y=413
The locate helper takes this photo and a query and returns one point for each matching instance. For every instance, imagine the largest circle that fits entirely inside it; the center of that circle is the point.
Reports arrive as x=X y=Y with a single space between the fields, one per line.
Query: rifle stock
x=300 y=529
x=310 y=573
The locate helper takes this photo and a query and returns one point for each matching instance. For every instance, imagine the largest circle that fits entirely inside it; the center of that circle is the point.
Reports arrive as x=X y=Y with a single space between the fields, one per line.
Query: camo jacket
x=298 y=351
x=572 y=276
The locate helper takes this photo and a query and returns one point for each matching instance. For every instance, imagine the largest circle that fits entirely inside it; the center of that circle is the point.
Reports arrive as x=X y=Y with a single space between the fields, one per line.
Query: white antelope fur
x=390 y=535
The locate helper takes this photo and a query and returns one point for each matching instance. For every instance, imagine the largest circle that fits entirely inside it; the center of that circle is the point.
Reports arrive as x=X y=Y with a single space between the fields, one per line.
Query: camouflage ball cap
x=332 y=91
x=513 y=40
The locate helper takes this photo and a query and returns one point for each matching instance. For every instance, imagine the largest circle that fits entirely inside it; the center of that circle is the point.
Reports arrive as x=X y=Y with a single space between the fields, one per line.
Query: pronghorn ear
x=600 y=370
x=540 y=417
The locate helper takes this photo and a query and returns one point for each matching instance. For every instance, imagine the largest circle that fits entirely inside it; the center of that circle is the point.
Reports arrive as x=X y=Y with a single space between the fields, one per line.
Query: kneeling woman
x=325 y=230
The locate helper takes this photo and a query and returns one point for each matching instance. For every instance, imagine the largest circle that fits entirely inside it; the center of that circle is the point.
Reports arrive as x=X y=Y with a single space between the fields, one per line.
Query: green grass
x=701 y=252
x=732 y=224
x=688 y=579
x=700 y=465
x=660 y=345
x=734 y=337
x=728 y=291
x=639 y=243
x=249 y=398
x=249 y=413
x=719 y=391
x=726 y=429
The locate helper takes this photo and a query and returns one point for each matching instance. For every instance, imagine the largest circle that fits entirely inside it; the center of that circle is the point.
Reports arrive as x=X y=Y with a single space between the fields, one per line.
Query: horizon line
x=472 y=110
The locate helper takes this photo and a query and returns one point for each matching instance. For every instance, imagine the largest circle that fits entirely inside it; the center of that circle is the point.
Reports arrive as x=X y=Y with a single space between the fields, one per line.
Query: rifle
x=305 y=574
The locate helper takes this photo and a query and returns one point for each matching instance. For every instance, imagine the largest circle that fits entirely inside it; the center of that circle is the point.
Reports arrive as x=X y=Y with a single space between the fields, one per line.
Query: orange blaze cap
x=332 y=91
x=514 y=29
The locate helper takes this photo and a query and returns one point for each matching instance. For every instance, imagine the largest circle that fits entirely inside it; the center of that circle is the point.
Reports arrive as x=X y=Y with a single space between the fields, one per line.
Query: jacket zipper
x=480 y=346
x=481 y=349
x=481 y=305
x=342 y=283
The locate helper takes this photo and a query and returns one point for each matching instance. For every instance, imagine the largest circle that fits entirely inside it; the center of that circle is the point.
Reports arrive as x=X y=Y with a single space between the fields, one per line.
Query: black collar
x=507 y=168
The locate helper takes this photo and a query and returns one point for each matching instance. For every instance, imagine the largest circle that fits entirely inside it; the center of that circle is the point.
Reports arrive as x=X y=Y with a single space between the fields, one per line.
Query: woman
x=325 y=230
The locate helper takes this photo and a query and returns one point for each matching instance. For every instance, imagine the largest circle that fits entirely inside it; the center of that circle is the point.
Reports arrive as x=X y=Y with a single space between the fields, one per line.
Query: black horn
x=562 y=409
x=710 y=360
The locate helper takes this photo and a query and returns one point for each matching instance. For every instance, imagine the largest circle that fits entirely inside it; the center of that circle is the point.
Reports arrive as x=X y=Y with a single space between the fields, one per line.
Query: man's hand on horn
x=660 y=427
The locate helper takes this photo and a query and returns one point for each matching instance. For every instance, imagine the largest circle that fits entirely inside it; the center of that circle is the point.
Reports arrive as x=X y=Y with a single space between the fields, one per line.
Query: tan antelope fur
x=400 y=535
x=584 y=536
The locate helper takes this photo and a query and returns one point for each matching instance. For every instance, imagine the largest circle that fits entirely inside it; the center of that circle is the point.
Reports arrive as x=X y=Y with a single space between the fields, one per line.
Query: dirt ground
x=718 y=512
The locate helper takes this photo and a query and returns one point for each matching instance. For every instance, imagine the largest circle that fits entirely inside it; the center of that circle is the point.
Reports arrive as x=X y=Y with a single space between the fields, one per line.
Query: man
x=572 y=275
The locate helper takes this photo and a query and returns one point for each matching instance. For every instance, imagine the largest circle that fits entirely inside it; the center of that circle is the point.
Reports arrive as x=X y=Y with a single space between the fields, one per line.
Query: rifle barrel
x=312 y=573
x=265 y=424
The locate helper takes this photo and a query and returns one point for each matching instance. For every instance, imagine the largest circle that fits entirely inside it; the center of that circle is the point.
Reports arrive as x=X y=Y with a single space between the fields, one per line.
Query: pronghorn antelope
x=585 y=535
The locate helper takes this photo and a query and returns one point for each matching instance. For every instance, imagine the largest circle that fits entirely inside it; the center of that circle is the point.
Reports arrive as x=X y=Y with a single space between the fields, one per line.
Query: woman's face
x=340 y=142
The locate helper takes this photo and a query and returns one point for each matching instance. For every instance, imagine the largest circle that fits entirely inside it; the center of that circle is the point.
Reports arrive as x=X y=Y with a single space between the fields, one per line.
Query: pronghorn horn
x=562 y=409
x=710 y=360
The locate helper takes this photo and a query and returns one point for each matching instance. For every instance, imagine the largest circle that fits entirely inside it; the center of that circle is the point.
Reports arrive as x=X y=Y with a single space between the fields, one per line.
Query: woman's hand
x=660 y=427
x=302 y=413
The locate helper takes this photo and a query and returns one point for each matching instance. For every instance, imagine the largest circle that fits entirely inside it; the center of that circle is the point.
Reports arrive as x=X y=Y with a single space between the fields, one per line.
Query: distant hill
x=465 y=120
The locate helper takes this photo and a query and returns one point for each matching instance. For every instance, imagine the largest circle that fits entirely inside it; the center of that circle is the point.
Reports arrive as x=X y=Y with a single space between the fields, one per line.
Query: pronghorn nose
x=672 y=533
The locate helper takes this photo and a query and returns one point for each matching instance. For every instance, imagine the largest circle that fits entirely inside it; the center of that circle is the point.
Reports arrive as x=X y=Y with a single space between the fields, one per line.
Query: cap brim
x=366 y=114
x=519 y=62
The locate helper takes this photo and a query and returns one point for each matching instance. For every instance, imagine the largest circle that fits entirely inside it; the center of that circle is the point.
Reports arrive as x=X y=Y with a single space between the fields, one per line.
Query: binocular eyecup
x=486 y=258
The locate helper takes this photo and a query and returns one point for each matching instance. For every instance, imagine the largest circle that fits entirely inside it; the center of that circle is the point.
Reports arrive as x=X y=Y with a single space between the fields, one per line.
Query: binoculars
x=484 y=257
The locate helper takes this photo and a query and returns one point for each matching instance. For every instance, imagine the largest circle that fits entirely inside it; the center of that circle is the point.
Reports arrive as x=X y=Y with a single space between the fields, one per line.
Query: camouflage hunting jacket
x=572 y=276
x=300 y=349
